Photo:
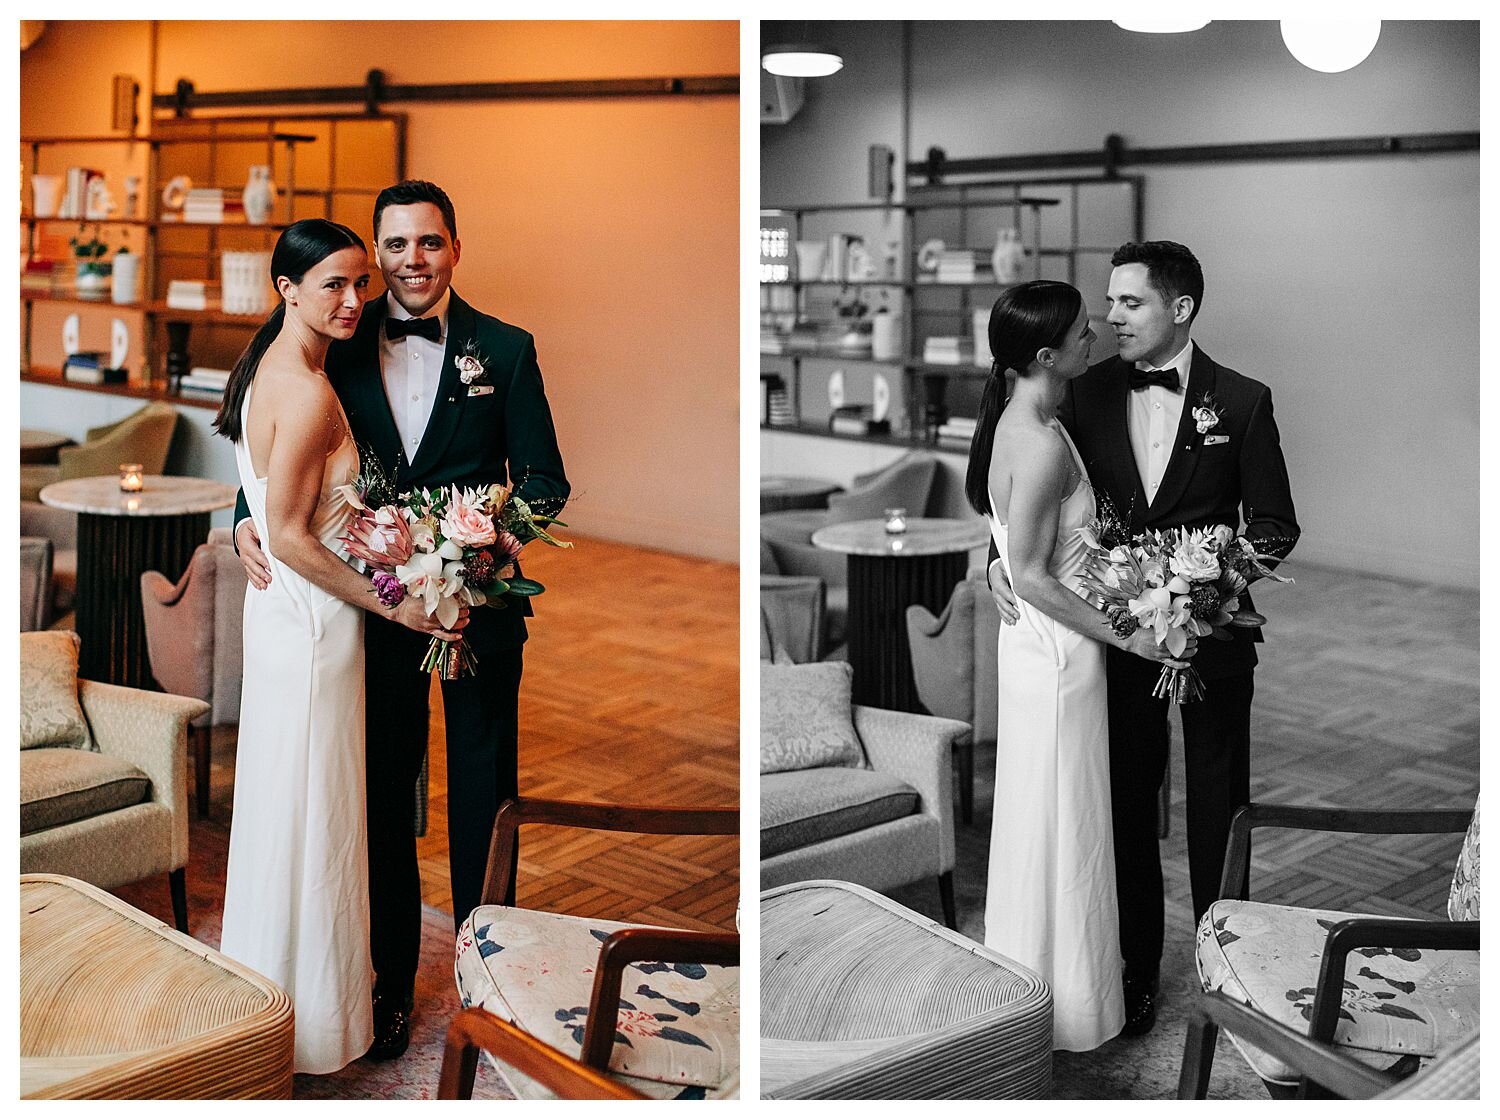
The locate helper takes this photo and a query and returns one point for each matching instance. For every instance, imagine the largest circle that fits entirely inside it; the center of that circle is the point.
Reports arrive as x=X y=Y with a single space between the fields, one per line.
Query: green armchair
x=143 y=437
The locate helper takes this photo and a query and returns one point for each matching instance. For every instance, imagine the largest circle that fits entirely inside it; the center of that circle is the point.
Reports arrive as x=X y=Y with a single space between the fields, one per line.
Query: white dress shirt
x=1154 y=416
x=411 y=368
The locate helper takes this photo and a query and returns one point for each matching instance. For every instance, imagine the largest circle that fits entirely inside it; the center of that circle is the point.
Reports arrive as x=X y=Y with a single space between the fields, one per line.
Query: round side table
x=121 y=535
x=782 y=492
x=887 y=574
x=38 y=446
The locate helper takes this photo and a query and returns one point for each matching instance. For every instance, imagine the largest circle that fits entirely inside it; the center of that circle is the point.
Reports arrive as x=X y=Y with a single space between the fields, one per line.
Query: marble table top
x=163 y=496
x=924 y=536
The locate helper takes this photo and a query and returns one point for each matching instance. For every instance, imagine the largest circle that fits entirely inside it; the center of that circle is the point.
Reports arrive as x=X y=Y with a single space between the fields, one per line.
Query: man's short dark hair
x=1170 y=268
x=410 y=191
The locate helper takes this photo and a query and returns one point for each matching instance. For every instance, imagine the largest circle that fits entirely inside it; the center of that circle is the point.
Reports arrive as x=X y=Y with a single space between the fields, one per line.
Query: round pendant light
x=1331 y=46
x=1162 y=25
x=801 y=60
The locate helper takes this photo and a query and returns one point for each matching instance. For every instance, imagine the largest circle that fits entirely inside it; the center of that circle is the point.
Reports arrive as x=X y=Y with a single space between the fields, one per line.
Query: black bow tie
x=1166 y=378
x=397 y=329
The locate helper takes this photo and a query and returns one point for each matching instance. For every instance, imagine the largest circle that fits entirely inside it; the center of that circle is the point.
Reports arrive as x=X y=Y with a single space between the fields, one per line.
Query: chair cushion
x=60 y=785
x=678 y=1024
x=1396 y=1002
x=1463 y=897
x=50 y=713
x=801 y=808
x=806 y=717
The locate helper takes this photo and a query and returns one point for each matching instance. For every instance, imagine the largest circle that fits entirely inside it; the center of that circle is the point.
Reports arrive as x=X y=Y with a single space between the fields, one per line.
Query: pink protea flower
x=507 y=548
x=380 y=537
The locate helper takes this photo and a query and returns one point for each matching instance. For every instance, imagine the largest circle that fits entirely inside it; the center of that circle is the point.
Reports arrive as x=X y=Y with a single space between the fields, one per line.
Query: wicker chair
x=555 y=980
x=1414 y=994
x=863 y=998
x=194 y=641
x=143 y=437
x=115 y=1006
x=108 y=804
x=1453 y=1075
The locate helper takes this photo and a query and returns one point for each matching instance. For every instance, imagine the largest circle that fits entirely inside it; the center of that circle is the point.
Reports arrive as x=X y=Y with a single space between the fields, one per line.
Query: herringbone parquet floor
x=630 y=695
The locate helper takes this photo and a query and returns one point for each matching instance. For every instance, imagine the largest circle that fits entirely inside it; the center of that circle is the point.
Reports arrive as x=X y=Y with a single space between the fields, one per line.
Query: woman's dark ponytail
x=227 y=422
x=991 y=405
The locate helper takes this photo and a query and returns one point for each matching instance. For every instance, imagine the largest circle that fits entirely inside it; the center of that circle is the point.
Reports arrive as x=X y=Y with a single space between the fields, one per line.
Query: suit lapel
x=1119 y=457
x=361 y=387
x=1186 y=446
x=443 y=419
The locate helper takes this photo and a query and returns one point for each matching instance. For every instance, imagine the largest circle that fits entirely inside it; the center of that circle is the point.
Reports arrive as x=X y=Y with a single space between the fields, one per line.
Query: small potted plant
x=91 y=270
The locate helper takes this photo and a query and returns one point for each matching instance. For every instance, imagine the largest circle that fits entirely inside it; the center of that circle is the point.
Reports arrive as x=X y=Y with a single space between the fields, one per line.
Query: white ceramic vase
x=1008 y=256
x=259 y=196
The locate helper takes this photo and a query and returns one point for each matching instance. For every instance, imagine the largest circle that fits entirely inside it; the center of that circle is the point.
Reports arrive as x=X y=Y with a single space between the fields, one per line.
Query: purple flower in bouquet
x=388 y=589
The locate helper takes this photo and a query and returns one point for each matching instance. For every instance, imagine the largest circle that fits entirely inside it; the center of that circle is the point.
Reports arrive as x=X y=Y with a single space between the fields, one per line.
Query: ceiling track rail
x=1116 y=154
x=376 y=92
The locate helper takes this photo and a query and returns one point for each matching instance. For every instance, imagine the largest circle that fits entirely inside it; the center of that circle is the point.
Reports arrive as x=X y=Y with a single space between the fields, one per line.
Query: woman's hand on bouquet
x=1142 y=643
x=411 y=614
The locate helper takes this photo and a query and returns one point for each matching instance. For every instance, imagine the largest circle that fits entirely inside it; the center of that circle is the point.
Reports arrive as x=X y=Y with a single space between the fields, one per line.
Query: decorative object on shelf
x=132 y=478
x=893 y=260
x=982 y=355
x=881 y=409
x=119 y=344
x=70 y=334
x=98 y=203
x=246 y=282
x=811 y=256
x=178 y=359
x=895 y=521
x=174 y=194
x=885 y=343
x=75 y=197
x=858 y=264
x=46 y=195
x=836 y=390
x=836 y=262
x=260 y=195
x=929 y=253
x=1008 y=256
x=132 y=196
x=90 y=269
x=124 y=281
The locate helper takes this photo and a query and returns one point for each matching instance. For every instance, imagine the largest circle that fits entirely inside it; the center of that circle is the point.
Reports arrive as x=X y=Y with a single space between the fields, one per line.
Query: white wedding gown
x=296 y=905
x=1050 y=903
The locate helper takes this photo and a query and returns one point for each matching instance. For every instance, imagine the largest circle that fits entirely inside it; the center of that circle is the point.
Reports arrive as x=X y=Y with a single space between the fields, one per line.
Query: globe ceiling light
x=1162 y=24
x=801 y=60
x=1331 y=46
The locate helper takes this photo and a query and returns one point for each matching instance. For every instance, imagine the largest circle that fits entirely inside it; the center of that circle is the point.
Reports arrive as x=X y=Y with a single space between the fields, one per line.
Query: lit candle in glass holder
x=132 y=477
x=895 y=521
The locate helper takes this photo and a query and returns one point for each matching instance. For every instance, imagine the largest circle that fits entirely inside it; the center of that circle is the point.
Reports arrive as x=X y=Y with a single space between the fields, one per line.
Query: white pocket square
x=482 y=390
x=1209 y=441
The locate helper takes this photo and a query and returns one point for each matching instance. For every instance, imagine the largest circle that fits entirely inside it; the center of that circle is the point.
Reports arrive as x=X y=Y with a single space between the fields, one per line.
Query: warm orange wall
x=608 y=228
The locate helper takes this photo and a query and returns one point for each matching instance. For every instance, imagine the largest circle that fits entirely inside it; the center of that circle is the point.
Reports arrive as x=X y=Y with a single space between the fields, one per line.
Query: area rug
x=413 y=1076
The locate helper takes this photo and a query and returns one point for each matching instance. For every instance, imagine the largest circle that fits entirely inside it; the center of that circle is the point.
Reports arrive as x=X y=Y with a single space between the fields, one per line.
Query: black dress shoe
x=1140 y=1007
x=392 y=1029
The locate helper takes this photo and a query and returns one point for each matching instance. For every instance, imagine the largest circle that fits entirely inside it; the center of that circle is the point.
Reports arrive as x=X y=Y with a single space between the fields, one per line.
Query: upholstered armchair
x=575 y=1006
x=194 y=641
x=143 y=437
x=1451 y=1076
x=792 y=610
x=36 y=583
x=103 y=774
x=1385 y=992
x=849 y=792
x=60 y=526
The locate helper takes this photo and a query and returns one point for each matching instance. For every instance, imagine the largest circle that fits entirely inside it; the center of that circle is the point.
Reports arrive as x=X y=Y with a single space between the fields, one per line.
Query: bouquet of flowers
x=447 y=546
x=1178 y=582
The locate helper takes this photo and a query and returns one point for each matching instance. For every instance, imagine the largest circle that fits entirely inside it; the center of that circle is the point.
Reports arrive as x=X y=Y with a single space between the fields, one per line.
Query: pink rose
x=468 y=525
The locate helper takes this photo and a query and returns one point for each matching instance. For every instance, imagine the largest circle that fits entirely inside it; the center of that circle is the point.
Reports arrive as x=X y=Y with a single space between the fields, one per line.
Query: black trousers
x=480 y=713
x=1216 y=742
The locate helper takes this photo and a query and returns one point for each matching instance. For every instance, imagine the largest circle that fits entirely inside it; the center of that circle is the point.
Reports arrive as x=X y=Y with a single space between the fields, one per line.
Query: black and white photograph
x=1119 y=559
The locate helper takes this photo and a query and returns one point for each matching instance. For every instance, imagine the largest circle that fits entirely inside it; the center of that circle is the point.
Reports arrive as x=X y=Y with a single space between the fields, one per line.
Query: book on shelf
x=940 y=350
x=956 y=266
x=87 y=367
x=205 y=380
x=193 y=295
x=857 y=420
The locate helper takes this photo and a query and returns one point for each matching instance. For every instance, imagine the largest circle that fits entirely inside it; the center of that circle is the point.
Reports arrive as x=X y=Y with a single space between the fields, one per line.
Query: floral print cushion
x=1463 y=898
x=678 y=1029
x=1396 y=1002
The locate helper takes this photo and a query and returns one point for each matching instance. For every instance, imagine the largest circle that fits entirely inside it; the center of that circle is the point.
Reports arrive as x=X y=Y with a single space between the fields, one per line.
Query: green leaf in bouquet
x=525 y=587
x=496 y=588
x=1248 y=618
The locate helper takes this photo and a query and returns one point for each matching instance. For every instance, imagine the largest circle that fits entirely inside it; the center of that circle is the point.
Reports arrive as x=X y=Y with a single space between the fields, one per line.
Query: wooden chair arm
x=627 y=946
x=1386 y=933
x=475 y=1029
x=1387 y=822
x=1315 y=1061
x=499 y=888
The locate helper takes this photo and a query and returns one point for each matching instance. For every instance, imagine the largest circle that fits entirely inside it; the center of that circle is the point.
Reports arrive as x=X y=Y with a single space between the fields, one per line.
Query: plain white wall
x=1350 y=286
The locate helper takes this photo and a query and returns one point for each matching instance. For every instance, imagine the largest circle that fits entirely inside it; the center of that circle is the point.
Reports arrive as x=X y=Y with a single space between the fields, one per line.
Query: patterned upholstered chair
x=652 y=1009
x=1453 y=1075
x=194 y=641
x=103 y=774
x=1386 y=992
x=849 y=792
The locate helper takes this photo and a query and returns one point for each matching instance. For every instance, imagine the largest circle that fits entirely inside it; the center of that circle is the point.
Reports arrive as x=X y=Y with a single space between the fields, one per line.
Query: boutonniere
x=1206 y=413
x=471 y=370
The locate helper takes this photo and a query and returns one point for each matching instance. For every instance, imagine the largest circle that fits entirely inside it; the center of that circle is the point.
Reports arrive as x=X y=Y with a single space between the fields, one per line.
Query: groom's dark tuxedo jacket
x=471 y=439
x=1208 y=480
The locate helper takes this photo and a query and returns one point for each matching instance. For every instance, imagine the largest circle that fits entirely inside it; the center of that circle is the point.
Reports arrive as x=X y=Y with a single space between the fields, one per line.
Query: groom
x=1174 y=439
x=398 y=381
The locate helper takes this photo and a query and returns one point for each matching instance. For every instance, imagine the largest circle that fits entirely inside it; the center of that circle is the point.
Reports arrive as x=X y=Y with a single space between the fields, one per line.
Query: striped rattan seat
x=863 y=998
x=115 y=1004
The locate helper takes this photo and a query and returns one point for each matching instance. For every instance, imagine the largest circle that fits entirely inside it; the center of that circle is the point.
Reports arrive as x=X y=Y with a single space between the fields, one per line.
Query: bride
x=1050 y=902
x=296 y=903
